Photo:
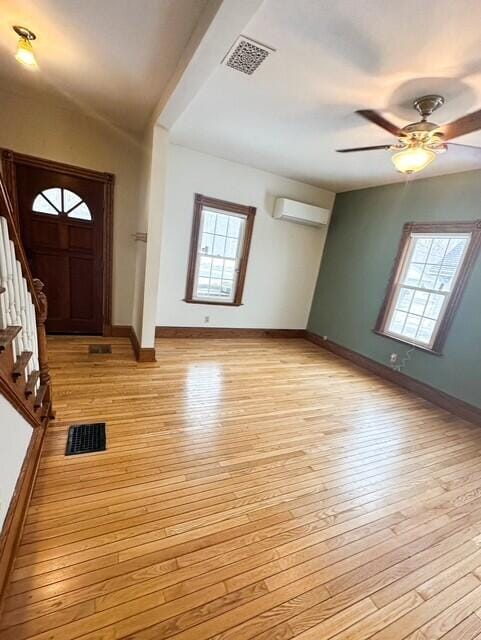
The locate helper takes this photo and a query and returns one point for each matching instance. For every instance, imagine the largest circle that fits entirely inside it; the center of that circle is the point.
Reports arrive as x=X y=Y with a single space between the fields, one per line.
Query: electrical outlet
x=393 y=358
x=206 y=319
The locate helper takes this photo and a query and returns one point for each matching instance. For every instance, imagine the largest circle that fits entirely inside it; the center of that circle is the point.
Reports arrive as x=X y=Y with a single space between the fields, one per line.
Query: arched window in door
x=57 y=201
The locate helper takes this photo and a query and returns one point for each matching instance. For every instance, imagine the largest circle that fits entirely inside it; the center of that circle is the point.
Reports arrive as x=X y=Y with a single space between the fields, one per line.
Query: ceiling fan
x=419 y=142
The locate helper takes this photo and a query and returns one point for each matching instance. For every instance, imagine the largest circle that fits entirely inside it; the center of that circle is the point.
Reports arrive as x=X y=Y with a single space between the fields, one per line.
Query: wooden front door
x=62 y=221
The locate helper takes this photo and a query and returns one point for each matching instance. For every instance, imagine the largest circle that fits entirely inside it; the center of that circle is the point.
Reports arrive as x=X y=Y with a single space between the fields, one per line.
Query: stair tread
x=7 y=335
x=31 y=382
x=21 y=363
x=40 y=395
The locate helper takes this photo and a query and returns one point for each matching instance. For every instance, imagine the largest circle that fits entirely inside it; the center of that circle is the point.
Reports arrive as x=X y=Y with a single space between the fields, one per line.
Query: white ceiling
x=113 y=58
x=333 y=58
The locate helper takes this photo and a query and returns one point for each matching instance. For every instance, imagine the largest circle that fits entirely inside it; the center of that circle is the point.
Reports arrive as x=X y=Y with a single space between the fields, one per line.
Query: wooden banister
x=6 y=210
x=24 y=371
x=42 y=312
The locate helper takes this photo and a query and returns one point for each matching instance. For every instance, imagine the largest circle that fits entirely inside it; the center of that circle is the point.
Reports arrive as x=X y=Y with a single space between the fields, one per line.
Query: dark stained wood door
x=62 y=226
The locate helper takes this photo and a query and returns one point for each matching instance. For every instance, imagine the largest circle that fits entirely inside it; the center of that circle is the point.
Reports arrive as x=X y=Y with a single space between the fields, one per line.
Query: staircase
x=24 y=372
x=24 y=375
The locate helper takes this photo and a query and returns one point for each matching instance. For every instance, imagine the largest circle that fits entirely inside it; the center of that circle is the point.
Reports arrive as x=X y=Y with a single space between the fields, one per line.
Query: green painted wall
x=361 y=246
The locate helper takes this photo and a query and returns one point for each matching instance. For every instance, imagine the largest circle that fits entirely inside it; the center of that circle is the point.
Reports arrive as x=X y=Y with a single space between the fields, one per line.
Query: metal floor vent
x=100 y=348
x=86 y=438
x=246 y=55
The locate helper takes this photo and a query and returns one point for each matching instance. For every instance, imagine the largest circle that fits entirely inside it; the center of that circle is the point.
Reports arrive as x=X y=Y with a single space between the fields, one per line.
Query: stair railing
x=24 y=372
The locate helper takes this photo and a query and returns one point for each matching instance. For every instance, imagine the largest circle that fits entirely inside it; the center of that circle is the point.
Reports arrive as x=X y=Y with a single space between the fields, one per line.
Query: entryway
x=65 y=220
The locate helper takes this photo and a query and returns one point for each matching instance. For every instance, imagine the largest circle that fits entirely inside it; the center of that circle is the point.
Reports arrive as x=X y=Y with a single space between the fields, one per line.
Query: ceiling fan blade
x=464 y=146
x=381 y=146
x=377 y=118
x=462 y=126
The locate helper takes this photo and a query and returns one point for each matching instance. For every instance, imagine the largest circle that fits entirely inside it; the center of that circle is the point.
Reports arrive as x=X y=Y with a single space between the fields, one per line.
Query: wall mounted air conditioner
x=301 y=213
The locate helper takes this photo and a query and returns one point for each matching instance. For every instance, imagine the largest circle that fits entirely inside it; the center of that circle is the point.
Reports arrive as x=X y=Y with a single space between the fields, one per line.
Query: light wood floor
x=251 y=489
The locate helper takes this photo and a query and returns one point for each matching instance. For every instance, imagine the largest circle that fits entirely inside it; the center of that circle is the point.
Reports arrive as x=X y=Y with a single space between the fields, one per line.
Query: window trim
x=201 y=201
x=470 y=227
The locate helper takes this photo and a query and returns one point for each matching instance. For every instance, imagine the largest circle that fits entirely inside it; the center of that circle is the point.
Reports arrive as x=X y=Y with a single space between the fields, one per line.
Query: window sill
x=215 y=302
x=407 y=343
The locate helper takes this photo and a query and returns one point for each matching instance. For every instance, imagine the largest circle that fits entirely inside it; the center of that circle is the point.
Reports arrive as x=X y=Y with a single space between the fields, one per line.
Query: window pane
x=209 y=221
x=54 y=196
x=430 y=276
x=207 y=243
x=234 y=228
x=455 y=251
x=397 y=322
x=219 y=245
x=426 y=330
x=203 y=286
x=205 y=266
x=419 y=302
x=411 y=326
x=434 y=306
x=231 y=247
x=81 y=212
x=215 y=286
x=438 y=249
x=404 y=300
x=414 y=274
x=229 y=269
x=70 y=200
x=421 y=250
x=227 y=287
x=41 y=205
x=221 y=224
x=445 y=278
x=217 y=268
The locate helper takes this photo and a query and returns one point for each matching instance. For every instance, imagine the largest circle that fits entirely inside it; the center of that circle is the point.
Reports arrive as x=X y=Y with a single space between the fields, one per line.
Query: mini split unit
x=301 y=213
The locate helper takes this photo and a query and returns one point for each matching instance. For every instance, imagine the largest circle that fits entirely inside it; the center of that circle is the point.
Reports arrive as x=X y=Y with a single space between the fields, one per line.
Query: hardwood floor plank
x=251 y=489
x=429 y=610
x=469 y=629
x=452 y=616
x=430 y=578
x=380 y=618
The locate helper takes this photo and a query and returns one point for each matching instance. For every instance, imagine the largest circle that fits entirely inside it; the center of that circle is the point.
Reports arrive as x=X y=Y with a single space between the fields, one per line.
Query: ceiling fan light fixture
x=413 y=159
x=25 y=54
x=418 y=143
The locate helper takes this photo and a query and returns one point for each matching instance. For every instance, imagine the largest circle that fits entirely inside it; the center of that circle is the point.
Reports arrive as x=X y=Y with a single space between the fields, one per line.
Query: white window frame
x=398 y=285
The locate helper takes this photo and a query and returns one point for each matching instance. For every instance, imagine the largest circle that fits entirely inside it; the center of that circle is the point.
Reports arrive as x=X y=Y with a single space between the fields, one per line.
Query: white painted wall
x=156 y=210
x=284 y=257
x=15 y=434
x=142 y=227
x=150 y=220
x=56 y=129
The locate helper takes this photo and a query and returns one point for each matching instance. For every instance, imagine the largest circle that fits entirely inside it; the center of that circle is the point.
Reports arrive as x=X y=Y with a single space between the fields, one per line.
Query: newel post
x=42 y=335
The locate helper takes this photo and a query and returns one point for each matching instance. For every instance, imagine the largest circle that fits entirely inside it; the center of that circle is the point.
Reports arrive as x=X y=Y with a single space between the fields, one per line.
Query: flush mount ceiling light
x=420 y=142
x=24 y=53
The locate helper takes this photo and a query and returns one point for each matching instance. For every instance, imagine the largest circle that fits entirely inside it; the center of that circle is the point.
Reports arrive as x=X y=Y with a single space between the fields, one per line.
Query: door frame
x=10 y=160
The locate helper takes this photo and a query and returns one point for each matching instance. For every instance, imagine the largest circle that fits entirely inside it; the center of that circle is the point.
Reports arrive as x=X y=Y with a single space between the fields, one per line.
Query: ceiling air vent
x=246 y=55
